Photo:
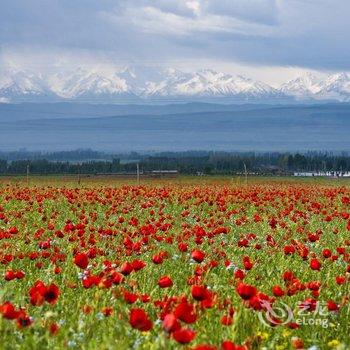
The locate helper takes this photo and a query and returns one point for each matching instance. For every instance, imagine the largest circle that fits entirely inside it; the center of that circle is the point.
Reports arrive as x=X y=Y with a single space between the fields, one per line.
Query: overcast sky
x=271 y=40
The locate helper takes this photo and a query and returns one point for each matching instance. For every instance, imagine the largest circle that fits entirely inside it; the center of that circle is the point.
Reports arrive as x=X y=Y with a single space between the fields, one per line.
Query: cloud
x=153 y=20
x=259 y=11
x=306 y=33
x=183 y=8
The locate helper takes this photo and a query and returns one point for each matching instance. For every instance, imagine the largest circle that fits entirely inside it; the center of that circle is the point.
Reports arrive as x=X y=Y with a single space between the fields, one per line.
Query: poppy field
x=213 y=265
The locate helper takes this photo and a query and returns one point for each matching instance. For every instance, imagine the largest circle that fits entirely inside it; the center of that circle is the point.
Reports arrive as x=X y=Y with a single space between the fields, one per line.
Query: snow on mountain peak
x=22 y=83
x=82 y=83
x=302 y=87
x=336 y=87
x=154 y=83
x=208 y=83
x=342 y=76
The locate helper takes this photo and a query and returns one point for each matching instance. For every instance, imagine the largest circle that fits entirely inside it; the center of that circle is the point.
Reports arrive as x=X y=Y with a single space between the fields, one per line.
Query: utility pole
x=79 y=172
x=245 y=172
x=138 y=173
x=27 y=174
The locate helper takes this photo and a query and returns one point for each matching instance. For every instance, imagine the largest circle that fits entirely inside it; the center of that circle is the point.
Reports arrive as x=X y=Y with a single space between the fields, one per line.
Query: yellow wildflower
x=280 y=347
x=262 y=335
x=286 y=333
x=333 y=343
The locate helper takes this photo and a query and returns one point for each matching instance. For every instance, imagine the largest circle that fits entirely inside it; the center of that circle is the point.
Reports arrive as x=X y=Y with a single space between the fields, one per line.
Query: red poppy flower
x=182 y=247
x=81 y=260
x=197 y=255
x=229 y=345
x=54 y=328
x=36 y=293
x=10 y=275
x=145 y=298
x=289 y=249
x=158 y=259
x=13 y=230
x=239 y=274
x=165 y=282
x=277 y=291
x=8 y=311
x=185 y=312
x=246 y=291
x=332 y=306
x=51 y=293
x=199 y=292
x=90 y=281
x=40 y=293
x=205 y=347
x=107 y=311
x=139 y=320
x=23 y=320
x=340 y=279
x=184 y=336
x=19 y=274
x=327 y=253
x=170 y=323
x=226 y=320
x=126 y=268
x=297 y=343
x=315 y=264
x=138 y=265
x=130 y=298
x=117 y=278
x=288 y=275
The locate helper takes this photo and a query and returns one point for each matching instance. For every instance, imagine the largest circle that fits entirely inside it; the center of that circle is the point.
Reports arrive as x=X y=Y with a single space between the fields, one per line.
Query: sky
x=269 y=40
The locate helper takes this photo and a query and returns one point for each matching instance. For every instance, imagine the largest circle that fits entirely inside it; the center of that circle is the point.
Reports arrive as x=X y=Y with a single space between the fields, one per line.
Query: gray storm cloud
x=305 y=33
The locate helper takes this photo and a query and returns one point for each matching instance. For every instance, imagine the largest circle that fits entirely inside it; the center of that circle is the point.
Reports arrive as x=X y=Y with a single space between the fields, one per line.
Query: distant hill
x=175 y=127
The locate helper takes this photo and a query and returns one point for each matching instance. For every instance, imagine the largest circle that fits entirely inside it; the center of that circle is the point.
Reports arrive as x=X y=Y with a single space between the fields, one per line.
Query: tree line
x=185 y=163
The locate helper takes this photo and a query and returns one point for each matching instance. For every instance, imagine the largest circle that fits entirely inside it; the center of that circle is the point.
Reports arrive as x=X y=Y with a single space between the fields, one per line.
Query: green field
x=186 y=263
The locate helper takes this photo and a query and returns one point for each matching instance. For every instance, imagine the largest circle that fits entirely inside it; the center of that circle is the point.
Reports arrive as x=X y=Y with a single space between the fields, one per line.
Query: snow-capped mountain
x=23 y=86
x=152 y=84
x=143 y=83
x=210 y=84
x=335 y=87
x=302 y=87
x=84 y=85
x=138 y=78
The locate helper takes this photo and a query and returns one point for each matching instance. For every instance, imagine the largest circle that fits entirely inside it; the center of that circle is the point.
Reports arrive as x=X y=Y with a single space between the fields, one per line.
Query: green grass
x=211 y=202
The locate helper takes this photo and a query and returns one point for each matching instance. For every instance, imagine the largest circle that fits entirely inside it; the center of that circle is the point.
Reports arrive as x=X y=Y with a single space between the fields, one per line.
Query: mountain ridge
x=140 y=84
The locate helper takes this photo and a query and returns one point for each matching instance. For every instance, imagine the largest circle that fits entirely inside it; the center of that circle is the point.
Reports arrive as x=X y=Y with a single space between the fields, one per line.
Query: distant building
x=335 y=174
x=165 y=173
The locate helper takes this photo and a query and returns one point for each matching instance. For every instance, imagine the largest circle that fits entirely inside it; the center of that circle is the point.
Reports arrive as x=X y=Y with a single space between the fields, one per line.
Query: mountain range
x=158 y=85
